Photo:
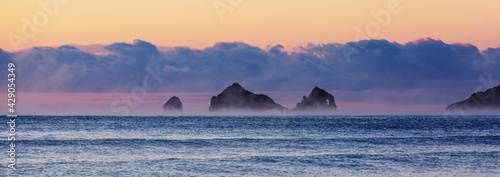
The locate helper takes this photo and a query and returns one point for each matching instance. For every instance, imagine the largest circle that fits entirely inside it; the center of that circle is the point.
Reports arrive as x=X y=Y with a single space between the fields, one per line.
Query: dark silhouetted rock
x=236 y=97
x=318 y=99
x=487 y=100
x=173 y=104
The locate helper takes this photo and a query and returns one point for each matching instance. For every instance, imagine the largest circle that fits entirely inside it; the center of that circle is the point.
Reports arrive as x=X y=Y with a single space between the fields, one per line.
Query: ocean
x=254 y=146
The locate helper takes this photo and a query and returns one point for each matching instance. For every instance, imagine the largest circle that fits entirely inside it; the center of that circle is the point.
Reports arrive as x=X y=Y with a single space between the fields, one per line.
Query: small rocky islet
x=235 y=97
x=173 y=104
x=318 y=99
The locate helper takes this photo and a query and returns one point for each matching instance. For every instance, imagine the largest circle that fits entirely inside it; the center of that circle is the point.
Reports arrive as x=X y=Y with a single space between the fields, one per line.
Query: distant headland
x=488 y=100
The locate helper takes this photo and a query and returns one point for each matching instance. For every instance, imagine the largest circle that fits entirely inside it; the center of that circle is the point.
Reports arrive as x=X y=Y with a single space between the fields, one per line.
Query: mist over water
x=258 y=145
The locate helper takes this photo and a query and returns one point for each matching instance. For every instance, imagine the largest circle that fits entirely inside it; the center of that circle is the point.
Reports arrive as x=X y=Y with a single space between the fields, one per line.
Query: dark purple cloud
x=425 y=64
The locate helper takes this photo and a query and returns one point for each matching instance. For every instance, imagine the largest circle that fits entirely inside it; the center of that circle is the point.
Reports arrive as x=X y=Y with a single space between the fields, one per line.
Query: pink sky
x=194 y=104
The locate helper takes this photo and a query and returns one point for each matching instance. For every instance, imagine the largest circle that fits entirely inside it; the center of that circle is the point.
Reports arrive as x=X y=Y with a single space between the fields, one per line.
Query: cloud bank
x=427 y=65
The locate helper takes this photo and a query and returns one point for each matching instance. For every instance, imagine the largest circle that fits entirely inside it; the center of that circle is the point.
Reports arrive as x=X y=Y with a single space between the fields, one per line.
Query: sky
x=196 y=23
x=128 y=57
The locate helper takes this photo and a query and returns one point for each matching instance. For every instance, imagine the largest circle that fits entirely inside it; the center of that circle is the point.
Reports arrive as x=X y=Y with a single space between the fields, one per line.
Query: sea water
x=254 y=146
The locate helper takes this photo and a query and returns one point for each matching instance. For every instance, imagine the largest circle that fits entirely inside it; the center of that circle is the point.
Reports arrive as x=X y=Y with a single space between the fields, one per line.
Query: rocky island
x=173 y=104
x=479 y=101
x=318 y=99
x=236 y=97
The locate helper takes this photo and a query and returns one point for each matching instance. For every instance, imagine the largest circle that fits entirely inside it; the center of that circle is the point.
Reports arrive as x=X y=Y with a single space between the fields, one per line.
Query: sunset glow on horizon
x=411 y=56
x=292 y=23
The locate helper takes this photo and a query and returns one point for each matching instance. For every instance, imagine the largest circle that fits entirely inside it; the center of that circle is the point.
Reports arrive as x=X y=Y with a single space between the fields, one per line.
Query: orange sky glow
x=200 y=23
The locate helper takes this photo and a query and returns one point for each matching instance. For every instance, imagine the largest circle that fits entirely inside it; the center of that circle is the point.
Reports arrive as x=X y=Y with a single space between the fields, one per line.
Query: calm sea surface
x=254 y=146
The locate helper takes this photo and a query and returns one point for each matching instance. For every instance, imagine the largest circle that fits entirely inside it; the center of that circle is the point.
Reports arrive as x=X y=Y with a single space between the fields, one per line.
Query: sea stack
x=318 y=99
x=236 y=97
x=488 y=100
x=173 y=104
